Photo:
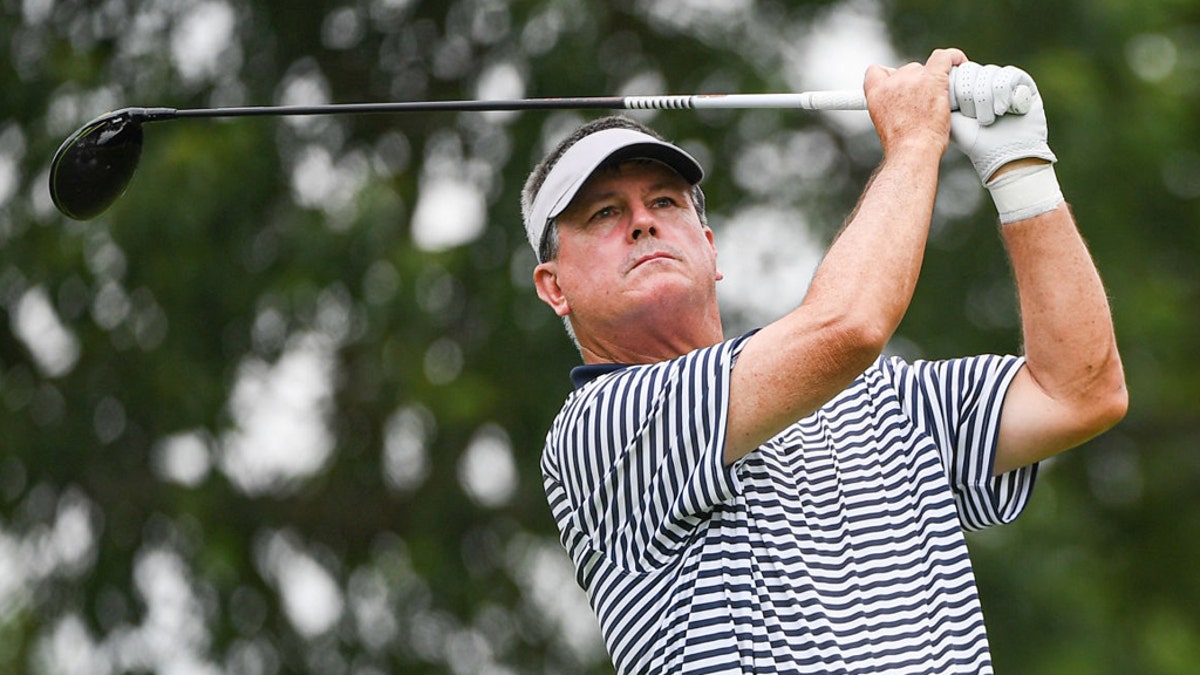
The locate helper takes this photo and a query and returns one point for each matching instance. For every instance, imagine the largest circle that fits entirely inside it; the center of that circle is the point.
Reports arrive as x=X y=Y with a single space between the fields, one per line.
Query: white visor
x=572 y=170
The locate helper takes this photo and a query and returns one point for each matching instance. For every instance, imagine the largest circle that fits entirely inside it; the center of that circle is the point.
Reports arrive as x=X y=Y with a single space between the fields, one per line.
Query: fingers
x=988 y=92
x=939 y=63
x=1005 y=87
x=942 y=60
x=992 y=94
x=875 y=75
x=982 y=92
x=908 y=105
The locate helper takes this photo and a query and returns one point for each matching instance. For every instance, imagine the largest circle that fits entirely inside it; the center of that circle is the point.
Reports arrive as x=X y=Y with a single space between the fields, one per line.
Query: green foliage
x=266 y=292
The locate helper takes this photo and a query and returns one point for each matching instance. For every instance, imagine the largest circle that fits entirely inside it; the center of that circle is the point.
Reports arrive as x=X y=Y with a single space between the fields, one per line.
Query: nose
x=642 y=223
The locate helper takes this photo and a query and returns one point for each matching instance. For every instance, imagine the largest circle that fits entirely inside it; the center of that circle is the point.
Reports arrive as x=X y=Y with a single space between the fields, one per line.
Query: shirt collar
x=582 y=375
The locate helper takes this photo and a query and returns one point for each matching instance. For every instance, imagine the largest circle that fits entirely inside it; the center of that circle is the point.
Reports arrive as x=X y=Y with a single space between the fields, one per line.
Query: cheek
x=588 y=253
x=582 y=267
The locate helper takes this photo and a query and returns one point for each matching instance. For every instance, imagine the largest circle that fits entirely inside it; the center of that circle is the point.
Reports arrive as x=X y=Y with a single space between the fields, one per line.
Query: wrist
x=918 y=146
x=1025 y=191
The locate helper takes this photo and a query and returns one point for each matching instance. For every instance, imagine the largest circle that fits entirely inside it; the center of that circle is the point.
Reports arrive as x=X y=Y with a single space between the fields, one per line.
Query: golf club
x=92 y=168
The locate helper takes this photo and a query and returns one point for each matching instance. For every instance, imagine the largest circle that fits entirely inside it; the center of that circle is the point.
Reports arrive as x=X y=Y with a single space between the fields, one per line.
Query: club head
x=92 y=168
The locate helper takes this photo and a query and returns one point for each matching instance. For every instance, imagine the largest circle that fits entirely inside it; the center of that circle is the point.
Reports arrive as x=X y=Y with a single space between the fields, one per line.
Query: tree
x=280 y=409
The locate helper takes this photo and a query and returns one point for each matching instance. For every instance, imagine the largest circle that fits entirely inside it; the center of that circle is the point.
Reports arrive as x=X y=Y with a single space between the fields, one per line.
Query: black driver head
x=92 y=168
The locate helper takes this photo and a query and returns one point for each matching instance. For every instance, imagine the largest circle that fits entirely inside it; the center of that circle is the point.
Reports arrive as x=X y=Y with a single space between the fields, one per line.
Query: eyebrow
x=586 y=196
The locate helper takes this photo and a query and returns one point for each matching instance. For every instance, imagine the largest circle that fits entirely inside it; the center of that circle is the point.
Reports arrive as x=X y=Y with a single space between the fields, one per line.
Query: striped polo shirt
x=835 y=547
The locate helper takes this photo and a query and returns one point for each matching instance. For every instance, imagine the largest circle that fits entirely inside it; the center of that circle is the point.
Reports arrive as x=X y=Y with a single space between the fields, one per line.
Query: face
x=632 y=256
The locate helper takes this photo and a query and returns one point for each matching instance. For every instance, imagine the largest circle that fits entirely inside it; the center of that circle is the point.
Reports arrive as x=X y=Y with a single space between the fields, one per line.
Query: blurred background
x=280 y=409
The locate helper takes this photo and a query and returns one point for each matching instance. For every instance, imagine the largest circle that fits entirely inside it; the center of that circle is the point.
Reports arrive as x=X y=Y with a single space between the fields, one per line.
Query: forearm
x=857 y=298
x=864 y=284
x=1073 y=385
x=871 y=270
x=1070 y=347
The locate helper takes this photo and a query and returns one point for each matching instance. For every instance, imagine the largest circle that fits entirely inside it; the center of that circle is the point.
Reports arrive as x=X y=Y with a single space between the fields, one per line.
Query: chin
x=674 y=293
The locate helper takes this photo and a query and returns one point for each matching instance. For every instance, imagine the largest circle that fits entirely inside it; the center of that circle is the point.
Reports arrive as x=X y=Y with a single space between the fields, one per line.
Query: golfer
x=792 y=500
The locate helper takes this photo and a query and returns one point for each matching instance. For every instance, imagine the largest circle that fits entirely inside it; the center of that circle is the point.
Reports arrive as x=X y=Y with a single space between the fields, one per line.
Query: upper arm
x=1035 y=425
x=786 y=371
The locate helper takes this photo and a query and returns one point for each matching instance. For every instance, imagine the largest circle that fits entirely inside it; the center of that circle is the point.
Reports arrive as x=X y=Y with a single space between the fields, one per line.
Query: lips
x=650 y=256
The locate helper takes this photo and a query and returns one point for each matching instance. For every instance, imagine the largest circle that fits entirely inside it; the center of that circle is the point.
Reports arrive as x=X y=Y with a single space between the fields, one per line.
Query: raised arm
x=1072 y=386
x=864 y=285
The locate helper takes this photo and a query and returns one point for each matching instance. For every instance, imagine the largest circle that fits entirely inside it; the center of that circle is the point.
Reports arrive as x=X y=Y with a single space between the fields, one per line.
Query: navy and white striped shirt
x=836 y=547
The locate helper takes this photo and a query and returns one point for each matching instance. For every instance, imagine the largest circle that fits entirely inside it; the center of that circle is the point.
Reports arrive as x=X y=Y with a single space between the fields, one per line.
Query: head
x=542 y=235
x=608 y=198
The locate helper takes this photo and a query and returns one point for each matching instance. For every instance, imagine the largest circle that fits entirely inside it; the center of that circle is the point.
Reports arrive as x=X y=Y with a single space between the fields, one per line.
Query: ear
x=545 y=279
x=712 y=243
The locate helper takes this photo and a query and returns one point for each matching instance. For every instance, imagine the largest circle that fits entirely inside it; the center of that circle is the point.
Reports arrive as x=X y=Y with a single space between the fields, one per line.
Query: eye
x=604 y=212
x=663 y=201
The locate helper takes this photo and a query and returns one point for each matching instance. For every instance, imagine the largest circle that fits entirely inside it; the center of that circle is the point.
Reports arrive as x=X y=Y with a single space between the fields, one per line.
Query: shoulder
x=625 y=402
x=599 y=379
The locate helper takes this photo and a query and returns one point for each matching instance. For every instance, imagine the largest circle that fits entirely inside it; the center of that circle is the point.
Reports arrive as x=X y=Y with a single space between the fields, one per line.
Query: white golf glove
x=991 y=131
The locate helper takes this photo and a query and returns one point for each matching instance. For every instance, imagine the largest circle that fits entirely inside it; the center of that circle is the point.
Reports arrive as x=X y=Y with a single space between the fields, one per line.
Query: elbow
x=1114 y=403
x=1114 y=394
x=862 y=338
x=1108 y=401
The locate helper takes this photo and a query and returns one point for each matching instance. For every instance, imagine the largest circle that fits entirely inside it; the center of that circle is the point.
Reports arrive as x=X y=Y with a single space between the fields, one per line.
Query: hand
x=985 y=130
x=909 y=105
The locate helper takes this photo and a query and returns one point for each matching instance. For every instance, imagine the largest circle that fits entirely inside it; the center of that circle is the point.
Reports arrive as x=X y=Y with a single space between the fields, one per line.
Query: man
x=790 y=500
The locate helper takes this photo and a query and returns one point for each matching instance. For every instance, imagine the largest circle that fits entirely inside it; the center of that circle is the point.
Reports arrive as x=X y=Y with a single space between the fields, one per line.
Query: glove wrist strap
x=1025 y=193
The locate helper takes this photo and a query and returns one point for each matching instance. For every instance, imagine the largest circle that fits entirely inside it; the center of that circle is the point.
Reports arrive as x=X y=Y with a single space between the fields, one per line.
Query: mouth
x=651 y=257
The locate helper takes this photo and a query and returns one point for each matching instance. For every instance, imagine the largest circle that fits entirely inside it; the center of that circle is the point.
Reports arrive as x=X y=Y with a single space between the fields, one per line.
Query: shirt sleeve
x=634 y=462
x=958 y=402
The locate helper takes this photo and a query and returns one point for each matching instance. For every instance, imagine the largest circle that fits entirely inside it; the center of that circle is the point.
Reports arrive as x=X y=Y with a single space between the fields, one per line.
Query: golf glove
x=991 y=135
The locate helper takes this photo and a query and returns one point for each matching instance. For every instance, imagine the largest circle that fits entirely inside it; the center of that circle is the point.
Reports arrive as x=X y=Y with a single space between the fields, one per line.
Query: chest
x=857 y=470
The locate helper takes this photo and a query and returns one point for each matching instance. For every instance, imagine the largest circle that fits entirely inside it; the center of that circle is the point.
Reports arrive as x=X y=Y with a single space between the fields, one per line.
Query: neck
x=660 y=336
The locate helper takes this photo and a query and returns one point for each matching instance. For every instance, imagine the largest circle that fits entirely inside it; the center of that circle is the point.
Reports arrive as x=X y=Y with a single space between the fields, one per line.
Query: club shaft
x=813 y=100
x=810 y=100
